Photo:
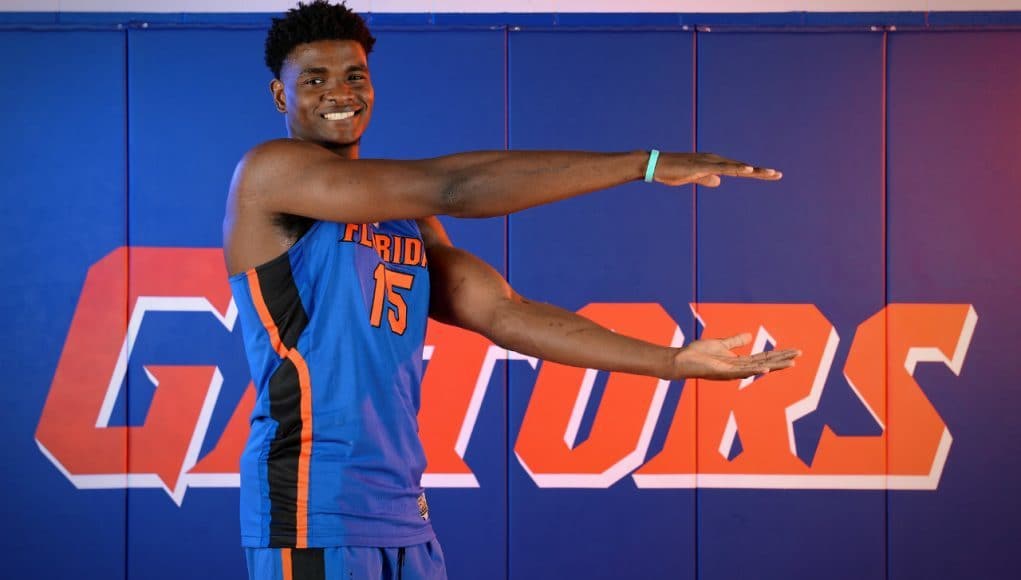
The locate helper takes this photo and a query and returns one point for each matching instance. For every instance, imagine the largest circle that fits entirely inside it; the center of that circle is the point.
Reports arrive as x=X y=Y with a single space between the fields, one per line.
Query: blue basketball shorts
x=420 y=562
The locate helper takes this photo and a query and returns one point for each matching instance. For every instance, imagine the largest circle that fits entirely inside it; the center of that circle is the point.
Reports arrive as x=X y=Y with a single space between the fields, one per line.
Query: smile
x=338 y=116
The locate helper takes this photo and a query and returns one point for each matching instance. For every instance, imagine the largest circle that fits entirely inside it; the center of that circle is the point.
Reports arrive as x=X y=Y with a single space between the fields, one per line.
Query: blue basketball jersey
x=334 y=331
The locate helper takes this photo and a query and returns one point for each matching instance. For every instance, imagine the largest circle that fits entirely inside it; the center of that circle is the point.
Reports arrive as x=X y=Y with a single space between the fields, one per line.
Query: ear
x=279 y=99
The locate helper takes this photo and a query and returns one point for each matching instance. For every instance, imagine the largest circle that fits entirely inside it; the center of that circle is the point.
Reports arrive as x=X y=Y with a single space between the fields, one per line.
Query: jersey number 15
x=387 y=283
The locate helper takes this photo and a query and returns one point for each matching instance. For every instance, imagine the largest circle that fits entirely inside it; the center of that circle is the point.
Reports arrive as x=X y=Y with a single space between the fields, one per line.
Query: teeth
x=339 y=116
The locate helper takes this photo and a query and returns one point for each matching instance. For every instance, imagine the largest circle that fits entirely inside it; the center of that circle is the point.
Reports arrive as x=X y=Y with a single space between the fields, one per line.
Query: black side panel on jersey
x=284 y=450
x=280 y=295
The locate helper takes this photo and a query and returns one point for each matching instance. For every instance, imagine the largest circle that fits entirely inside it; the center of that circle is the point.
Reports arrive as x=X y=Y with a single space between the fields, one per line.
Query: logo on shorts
x=423 y=507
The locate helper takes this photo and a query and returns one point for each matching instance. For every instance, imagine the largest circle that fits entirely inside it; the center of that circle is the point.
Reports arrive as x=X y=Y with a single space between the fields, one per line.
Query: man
x=335 y=265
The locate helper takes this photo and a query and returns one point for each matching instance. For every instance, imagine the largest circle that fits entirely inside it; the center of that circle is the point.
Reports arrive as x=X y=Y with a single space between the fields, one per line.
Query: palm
x=714 y=359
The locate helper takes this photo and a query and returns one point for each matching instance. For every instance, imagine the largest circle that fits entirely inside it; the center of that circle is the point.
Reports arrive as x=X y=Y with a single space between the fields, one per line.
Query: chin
x=339 y=143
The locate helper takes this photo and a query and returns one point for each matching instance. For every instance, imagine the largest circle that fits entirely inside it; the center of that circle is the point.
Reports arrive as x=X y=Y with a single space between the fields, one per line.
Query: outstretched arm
x=467 y=292
x=302 y=178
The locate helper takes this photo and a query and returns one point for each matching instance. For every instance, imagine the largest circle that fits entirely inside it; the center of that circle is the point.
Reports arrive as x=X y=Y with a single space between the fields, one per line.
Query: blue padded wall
x=603 y=91
x=954 y=178
x=811 y=106
x=197 y=100
x=901 y=177
x=63 y=207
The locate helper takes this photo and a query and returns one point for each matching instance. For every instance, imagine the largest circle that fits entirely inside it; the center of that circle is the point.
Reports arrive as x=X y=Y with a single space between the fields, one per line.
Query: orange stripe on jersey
x=285 y=563
x=264 y=315
x=305 y=456
x=305 y=384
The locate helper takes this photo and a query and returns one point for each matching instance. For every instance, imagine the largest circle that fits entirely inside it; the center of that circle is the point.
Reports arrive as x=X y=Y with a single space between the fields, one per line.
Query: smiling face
x=326 y=94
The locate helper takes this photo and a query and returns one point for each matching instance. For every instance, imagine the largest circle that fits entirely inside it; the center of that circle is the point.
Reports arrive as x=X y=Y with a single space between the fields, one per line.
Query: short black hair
x=317 y=20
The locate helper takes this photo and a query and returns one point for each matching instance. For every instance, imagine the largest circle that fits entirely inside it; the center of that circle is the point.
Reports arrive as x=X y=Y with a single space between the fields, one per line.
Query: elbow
x=459 y=199
x=453 y=199
x=505 y=327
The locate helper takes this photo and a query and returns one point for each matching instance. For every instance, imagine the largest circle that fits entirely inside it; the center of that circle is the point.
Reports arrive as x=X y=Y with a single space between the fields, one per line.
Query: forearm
x=557 y=335
x=491 y=183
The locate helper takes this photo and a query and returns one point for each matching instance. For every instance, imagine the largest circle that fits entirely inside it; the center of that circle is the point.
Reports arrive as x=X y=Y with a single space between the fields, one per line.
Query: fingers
x=709 y=181
x=788 y=353
x=764 y=362
x=737 y=169
x=776 y=354
x=778 y=364
x=766 y=174
x=731 y=367
x=711 y=177
x=723 y=166
x=733 y=342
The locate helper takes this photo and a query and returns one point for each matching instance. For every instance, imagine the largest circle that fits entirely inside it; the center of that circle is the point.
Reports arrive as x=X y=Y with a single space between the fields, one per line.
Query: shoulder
x=277 y=153
x=282 y=146
x=267 y=165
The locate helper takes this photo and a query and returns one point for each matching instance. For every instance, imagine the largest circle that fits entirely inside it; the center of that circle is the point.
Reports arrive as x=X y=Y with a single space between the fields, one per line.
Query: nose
x=338 y=92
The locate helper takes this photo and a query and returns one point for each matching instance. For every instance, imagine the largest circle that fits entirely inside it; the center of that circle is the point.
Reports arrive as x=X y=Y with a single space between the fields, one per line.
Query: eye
x=357 y=77
x=314 y=81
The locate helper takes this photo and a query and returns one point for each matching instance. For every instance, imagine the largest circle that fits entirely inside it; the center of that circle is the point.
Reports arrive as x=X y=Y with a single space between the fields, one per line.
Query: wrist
x=638 y=161
x=650 y=166
x=671 y=369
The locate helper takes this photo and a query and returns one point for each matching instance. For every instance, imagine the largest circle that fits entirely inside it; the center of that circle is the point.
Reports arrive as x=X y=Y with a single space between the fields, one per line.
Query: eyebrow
x=321 y=70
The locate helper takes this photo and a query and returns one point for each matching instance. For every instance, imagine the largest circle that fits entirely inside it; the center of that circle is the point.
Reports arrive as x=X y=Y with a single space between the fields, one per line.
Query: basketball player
x=336 y=263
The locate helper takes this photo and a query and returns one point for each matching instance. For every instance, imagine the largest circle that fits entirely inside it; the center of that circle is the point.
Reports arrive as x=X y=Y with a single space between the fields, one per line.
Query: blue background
x=902 y=173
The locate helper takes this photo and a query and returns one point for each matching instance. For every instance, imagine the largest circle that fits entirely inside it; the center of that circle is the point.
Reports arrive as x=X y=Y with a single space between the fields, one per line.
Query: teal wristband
x=650 y=169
